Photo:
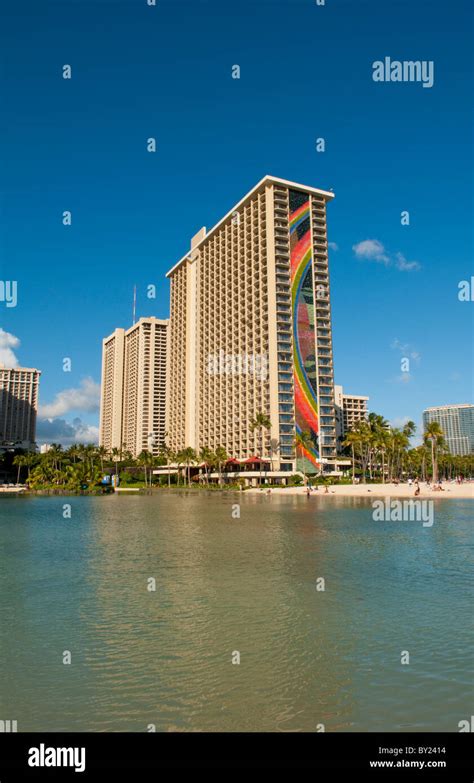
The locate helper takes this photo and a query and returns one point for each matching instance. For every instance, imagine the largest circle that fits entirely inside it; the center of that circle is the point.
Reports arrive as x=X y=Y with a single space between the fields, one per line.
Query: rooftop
x=144 y=319
x=447 y=407
x=266 y=180
x=19 y=369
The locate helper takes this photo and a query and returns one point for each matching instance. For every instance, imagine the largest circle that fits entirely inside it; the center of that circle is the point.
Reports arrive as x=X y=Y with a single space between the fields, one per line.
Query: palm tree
x=352 y=440
x=422 y=456
x=127 y=455
x=377 y=433
x=275 y=447
x=435 y=434
x=30 y=459
x=116 y=456
x=170 y=456
x=381 y=440
x=89 y=454
x=220 y=457
x=398 y=443
x=74 y=452
x=20 y=461
x=146 y=460
x=55 y=454
x=205 y=455
x=261 y=422
x=188 y=455
x=102 y=453
x=409 y=429
x=303 y=442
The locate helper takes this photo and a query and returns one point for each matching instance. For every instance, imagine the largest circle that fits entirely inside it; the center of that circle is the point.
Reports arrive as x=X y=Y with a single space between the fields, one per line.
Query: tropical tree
x=30 y=459
x=303 y=442
x=116 y=456
x=381 y=441
x=398 y=444
x=20 y=462
x=376 y=434
x=55 y=455
x=275 y=447
x=127 y=455
x=145 y=459
x=351 y=441
x=205 y=455
x=435 y=434
x=74 y=452
x=261 y=422
x=220 y=457
x=169 y=455
x=102 y=453
x=409 y=429
x=186 y=457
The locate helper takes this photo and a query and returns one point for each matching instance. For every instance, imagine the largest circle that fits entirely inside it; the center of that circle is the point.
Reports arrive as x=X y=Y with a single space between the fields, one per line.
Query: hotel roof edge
x=449 y=405
x=160 y=321
x=20 y=369
x=267 y=178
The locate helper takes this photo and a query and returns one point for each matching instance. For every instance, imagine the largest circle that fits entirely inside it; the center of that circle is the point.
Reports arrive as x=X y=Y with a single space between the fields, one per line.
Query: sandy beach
x=454 y=491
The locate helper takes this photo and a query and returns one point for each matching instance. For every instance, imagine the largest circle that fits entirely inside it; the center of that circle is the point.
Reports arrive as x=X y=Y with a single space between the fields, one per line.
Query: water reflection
x=164 y=656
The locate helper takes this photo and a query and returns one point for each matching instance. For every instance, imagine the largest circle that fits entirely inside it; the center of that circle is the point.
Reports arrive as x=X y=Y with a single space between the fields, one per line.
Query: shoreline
x=451 y=491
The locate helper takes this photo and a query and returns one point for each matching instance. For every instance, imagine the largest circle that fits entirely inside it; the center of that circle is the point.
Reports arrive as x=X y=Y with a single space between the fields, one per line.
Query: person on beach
x=417 y=490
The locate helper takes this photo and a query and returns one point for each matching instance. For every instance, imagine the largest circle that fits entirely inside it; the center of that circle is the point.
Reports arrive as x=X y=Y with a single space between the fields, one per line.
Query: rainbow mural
x=304 y=346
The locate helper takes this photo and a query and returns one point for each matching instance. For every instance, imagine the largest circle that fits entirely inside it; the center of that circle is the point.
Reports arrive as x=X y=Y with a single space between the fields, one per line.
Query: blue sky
x=306 y=73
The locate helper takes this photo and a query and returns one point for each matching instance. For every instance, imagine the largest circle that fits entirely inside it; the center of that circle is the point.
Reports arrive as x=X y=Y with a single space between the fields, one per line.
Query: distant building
x=44 y=448
x=457 y=423
x=350 y=408
x=19 y=388
x=133 y=392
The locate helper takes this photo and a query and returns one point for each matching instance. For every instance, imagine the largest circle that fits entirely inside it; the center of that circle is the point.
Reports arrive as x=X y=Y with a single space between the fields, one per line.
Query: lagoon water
x=164 y=657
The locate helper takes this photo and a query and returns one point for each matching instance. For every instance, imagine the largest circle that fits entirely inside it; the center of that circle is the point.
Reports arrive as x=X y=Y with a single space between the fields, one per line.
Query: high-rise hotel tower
x=19 y=388
x=250 y=330
x=132 y=405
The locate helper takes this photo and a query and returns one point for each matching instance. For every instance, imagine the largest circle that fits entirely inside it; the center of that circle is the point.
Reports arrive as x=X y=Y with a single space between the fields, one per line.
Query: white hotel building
x=250 y=331
x=132 y=406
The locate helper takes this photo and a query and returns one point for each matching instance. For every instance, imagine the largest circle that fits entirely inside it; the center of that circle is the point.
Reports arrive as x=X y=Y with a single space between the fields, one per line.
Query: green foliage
x=295 y=480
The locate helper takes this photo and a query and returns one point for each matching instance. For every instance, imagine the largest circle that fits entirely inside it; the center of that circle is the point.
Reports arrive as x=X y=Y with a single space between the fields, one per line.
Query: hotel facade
x=19 y=389
x=133 y=403
x=350 y=408
x=457 y=424
x=250 y=332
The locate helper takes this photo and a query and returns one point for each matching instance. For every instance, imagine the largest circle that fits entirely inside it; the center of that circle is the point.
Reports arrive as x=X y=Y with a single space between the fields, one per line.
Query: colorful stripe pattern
x=301 y=259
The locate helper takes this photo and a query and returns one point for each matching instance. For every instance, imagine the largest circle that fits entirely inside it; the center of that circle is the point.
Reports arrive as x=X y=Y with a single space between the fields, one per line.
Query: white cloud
x=333 y=246
x=86 y=399
x=7 y=343
x=406 y=349
x=406 y=266
x=54 y=430
x=372 y=250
